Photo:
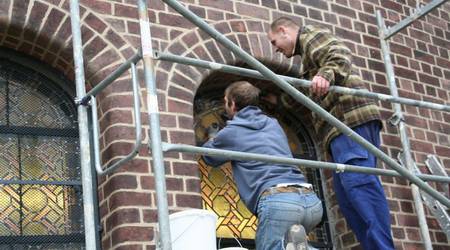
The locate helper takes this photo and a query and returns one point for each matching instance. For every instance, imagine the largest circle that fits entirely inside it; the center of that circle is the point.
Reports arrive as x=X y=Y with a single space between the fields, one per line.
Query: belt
x=289 y=189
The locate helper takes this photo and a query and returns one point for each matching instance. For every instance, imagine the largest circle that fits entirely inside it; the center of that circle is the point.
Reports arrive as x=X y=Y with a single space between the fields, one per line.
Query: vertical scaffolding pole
x=399 y=120
x=85 y=157
x=155 y=131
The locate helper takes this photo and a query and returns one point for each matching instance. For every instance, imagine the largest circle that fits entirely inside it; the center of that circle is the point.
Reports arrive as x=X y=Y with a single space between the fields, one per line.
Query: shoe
x=295 y=238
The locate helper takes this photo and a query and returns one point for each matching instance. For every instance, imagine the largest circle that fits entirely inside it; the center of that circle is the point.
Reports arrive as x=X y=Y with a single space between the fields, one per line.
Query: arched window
x=218 y=190
x=40 y=187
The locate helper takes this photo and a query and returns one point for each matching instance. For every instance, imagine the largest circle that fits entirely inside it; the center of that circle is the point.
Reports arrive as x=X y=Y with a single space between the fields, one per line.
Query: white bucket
x=233 y=248
x=193 y=229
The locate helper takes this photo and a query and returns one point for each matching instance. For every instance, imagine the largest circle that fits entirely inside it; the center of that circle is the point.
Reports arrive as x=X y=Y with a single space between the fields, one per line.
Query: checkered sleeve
x=330 y=54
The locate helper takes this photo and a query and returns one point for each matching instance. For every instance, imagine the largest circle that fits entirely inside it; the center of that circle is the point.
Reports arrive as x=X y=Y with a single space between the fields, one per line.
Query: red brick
x=124 y=234
x=252 y=11
x=401 y=193
x=119 y=182
x=181 y=94
x=407 y=220
x=181 y=137
x=185 y=122
x=127 y=198
x=398 y=233
x=179 y=107
x=221 y=5
x=150 y=215
x=193 y=185
x=35 y=20
x=199 y=11
x=102 y=7
x=343 y=11
x=130 y=247
x=114 y=117
x=320 y=4
x=122 y=216
x=186 y=200
x=175 y=20
x=18 y=15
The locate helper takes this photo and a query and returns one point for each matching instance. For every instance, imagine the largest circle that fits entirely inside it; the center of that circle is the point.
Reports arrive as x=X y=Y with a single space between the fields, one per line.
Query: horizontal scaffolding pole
x=111 y=78
x=418 y=13
x=235 y=155
x=40 y=182
x=298 y=96
x=296 y=82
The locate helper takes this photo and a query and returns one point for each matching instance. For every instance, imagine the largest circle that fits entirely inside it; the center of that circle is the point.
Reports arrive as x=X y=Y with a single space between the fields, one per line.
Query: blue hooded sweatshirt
x=251 y=131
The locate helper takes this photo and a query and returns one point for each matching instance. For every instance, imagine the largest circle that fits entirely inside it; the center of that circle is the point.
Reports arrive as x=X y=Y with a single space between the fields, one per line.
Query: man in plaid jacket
x=326 y=61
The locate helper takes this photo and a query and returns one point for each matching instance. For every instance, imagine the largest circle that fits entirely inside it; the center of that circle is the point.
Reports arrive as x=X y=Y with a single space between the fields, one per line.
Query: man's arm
x=331 y=55
x=222 y=140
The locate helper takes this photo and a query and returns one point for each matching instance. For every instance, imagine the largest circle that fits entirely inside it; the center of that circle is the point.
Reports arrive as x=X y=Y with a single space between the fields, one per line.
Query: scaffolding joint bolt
x=83 y=100
x=396 y=118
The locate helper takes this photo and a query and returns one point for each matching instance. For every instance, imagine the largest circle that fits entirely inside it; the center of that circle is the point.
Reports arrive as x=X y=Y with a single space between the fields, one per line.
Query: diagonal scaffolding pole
x=398 y=115
x=417 y=13
x=296 y=82
x=85 y=158
x=155 y=130
x=298 y=96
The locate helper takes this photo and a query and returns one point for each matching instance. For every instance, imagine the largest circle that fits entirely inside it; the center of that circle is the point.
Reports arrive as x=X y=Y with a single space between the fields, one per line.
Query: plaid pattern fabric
x=325 y=55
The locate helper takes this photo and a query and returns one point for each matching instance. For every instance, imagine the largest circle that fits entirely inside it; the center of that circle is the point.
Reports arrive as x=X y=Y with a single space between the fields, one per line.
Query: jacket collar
x=298 y=48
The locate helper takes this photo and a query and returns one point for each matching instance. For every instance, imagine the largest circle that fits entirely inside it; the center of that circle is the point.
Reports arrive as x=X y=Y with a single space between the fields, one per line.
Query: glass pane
x=50 y=210
x=3 y=109
x=10 y=210
x=39 y=210
x=9 y=157
x=49 y=158
x=30 y=108
x=55 y=246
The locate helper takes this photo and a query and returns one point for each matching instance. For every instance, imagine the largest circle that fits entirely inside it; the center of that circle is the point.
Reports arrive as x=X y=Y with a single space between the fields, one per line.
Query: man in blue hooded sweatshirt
x=278 y=194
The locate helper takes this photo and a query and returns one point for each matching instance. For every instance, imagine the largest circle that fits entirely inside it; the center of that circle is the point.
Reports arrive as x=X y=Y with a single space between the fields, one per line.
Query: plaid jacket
x=325 y=55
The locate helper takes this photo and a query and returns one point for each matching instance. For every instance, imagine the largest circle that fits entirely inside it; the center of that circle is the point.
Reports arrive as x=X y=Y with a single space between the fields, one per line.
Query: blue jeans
x=277 y=212
x=360 y=196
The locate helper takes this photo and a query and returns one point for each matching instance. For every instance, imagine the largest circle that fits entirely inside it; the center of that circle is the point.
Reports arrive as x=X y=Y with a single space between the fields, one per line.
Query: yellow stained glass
x=218 y=190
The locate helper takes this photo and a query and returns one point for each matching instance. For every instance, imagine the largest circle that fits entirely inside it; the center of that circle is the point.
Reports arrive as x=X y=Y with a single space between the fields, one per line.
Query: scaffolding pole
x=235 y=155
x=297 y=82
x=298 y=96
x=85 y=154
x=417 y=13
x=398 y=120
x=155 y=146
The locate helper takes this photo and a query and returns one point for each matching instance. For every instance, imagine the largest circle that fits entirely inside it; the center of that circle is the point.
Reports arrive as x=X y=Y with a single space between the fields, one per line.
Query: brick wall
x=111 y=35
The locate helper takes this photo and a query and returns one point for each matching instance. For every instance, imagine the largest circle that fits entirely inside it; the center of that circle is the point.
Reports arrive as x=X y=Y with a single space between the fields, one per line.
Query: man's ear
x=233 y=106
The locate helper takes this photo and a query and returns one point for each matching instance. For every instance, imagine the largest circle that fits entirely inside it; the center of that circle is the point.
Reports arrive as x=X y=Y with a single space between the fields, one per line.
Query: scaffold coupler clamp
x=340 y=168
x=396 y=118
x=83 y=100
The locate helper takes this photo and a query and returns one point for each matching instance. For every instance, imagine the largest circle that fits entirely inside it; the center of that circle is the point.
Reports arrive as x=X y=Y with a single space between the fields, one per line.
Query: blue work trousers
x=278 y=212
x=360 y=196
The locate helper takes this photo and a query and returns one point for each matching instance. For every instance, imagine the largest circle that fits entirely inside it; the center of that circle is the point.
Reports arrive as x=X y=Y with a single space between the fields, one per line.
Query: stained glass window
x=40 y=187
x=219 y=191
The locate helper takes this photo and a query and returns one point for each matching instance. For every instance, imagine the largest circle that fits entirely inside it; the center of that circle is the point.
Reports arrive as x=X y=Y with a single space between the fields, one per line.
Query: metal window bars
x=157 y=147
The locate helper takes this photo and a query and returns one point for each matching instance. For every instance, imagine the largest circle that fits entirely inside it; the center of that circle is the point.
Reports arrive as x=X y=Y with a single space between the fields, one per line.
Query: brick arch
x=180 y=82
x=42 y=30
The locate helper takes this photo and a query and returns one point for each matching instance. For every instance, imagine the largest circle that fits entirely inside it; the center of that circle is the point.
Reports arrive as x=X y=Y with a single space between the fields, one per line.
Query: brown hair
x=243 y=94
x=283 y=21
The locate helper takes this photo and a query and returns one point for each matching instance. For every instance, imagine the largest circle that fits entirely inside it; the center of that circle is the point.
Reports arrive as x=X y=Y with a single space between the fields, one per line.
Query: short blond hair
x=283 y=21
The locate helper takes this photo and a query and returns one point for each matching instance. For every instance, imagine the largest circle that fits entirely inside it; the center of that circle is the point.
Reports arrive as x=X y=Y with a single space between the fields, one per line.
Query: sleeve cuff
x=327 y=74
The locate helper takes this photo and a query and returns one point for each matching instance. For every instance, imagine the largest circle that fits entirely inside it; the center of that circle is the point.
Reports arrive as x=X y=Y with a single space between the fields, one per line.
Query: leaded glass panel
x=9 y=157
x=3 y=97
x=40 y=200
x=49 y=158
x=30 y=108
